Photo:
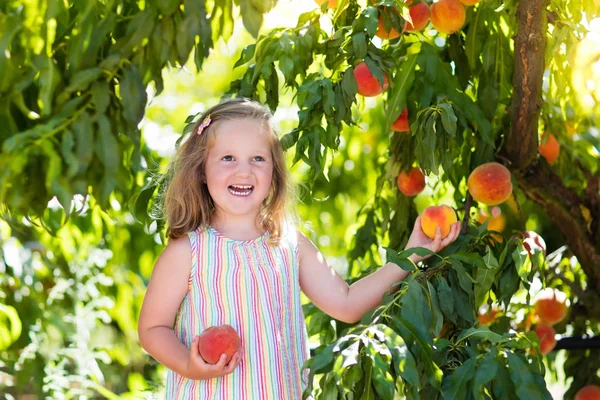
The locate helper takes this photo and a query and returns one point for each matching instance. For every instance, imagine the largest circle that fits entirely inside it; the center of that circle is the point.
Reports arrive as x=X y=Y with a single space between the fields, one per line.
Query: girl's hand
x=419 y=239
x=198 y=369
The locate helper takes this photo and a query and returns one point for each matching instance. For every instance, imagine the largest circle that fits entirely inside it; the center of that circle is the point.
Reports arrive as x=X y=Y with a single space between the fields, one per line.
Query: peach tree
x=480 y=84
x=392 y=101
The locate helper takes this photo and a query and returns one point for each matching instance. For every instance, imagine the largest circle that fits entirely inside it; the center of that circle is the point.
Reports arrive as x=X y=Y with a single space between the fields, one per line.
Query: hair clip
x=204 y=124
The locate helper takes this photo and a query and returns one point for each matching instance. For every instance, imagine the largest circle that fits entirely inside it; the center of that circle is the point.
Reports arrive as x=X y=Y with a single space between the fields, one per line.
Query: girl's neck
x=237 y=229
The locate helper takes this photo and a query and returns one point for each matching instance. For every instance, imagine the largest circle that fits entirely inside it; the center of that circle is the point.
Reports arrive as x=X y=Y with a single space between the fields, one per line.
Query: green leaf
x=486 y=372
x=49 y=79
x=403 y=262
x=246 y=56
x=251 y=17
x=403 y=81
x=482 y=332
x=437 y=315
x=67 y=144
x=382 y=379
x=434 y=373
x=359 y=44
x=107 y=146
x=489 y=259
x=84 y=140
x=445 y=298
x=455 y=385
x=525 y=383
x=414 y=299
x=464 y=279
x=485 y=278
x=522 y=262
x=133 y=95
x=448 y=118
x=101 y=96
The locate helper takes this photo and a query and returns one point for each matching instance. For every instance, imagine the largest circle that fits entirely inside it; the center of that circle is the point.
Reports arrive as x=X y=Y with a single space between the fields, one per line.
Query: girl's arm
x=166 y=290
x=330 y=292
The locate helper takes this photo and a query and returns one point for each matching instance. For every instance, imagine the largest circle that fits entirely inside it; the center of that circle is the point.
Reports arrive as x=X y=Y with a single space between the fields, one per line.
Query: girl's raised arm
x=330 y=292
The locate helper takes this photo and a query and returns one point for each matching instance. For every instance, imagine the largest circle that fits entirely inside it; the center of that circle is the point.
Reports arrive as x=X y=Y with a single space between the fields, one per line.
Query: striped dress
x=254 y=287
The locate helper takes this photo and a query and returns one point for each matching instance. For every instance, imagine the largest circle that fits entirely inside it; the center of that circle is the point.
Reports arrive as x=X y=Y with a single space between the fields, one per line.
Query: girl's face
x=239 y=168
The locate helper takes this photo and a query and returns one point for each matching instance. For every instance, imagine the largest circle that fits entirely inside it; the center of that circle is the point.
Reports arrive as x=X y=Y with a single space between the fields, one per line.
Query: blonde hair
x=186 y=202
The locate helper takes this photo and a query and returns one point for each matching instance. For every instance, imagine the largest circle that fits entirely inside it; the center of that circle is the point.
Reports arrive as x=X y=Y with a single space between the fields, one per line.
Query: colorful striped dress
x=254 y=287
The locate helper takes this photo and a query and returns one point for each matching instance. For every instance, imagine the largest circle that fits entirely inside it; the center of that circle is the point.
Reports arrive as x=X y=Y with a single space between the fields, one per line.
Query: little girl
x=234 y=258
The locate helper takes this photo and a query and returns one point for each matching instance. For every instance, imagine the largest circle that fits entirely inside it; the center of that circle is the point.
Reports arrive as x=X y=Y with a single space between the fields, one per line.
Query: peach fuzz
x=549 y=148
x=401 y=123
x=432 y=217
x=547 y=340
x=218 y=340
x=490 y=183
x=589 y=392
x=368 y=85
x=413 y=183
x=550 y=306
x=419 y=14
x=448 y=16
x=330 y=3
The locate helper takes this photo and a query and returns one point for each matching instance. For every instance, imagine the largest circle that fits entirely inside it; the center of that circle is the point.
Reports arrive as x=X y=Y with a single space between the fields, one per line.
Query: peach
x=419 y=14
x=218 y=340
x=368 y=85
x=486 y=318
x=551 y=306
x=413 y=183
x=448 y=16
x=549 y=148
x=589 y=392
x=533 y=242
x=401 y=123
x=330 y=3
x=469 y=2
x=547 y=340
x=490 y=183
x=432 y=217
x=496 y=222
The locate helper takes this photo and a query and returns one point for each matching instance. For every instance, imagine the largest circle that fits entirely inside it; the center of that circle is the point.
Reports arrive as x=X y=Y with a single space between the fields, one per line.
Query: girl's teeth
x=240 y=190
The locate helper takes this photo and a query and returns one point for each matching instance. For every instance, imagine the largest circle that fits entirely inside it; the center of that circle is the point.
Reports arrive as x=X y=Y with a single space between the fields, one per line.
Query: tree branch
x=534 y=176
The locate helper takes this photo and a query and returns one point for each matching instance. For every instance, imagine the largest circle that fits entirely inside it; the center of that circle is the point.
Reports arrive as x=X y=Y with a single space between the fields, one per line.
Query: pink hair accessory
x=204 y=124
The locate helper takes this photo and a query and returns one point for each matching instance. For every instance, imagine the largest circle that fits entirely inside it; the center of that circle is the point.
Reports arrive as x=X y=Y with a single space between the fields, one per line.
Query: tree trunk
x=576 y=217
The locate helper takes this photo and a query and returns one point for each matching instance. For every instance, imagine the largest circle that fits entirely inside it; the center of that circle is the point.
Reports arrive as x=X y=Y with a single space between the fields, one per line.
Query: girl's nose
x=243 y=168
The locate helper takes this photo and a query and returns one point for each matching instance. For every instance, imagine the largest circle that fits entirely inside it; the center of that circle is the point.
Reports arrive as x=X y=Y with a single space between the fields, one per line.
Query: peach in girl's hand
x=442 y=216
x=218 y=340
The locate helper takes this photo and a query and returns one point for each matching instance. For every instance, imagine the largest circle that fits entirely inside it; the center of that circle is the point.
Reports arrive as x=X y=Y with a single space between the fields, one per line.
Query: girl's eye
x=227 y=158
x=259 y=158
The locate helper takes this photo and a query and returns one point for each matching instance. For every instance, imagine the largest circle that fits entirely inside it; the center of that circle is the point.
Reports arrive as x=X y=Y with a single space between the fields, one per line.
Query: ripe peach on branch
x=367 y=83
x=401 y=123
x=490 y=183
x=550 y=306
x=448 y=16
x=413 y=183
x=547 y=340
